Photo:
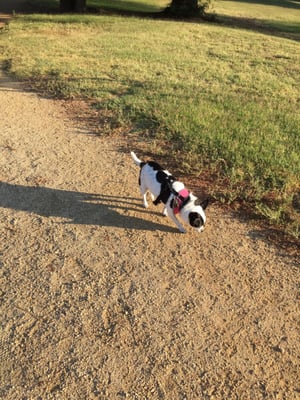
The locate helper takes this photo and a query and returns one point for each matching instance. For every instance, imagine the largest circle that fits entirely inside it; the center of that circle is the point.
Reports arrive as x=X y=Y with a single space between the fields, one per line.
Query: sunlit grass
x=131 y=5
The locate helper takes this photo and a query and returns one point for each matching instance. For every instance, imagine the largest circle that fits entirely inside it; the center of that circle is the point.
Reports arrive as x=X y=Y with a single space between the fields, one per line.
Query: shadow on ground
x=276 y=28
x=77 y=207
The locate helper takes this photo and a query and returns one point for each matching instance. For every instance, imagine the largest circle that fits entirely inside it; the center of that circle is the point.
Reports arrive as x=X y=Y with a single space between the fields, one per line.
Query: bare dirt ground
x=102 y=299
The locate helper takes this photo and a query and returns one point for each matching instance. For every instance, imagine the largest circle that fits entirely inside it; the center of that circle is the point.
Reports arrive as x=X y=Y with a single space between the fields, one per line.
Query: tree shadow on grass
x=273 y=28
x=79 y=208
x=294 y=4
x=265 y=26
x=287 y=30
x=28 y=6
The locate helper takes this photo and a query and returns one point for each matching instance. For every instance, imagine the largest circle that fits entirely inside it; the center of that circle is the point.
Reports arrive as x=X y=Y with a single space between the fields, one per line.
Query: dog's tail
x=136 y=160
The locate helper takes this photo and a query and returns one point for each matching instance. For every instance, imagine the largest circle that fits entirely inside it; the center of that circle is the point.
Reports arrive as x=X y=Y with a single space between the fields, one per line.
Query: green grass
x=120 y=5
x=131 y=5
x=223 y=100
x=281 y=16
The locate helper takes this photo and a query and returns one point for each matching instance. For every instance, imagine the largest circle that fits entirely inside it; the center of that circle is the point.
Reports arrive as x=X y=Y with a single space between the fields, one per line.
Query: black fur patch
x=165 y=181
x=161 y=176
x=155 y=165
x=195 y=220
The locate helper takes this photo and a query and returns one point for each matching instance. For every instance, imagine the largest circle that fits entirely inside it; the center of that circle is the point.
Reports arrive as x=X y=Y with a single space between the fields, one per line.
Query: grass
x=224 y=100
x=280 y=16
x=146 y=6
x=132 y=5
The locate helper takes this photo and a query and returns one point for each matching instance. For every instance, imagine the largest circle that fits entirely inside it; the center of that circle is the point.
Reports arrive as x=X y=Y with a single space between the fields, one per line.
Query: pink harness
x=180 y=200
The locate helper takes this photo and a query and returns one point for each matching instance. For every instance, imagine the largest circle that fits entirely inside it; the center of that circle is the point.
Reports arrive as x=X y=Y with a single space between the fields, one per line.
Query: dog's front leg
x=175 y=220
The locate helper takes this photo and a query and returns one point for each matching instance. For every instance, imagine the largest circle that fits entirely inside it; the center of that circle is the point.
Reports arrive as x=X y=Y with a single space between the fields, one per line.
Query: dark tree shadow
x=294 y=4
x=273 y=28
x=287 y=30
x=78 y=208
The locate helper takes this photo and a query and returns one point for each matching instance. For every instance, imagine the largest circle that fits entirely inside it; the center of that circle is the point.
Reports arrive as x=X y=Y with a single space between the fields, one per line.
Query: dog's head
x=197 y=217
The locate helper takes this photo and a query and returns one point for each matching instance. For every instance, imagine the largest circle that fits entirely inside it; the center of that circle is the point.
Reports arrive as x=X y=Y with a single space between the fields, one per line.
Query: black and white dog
x=164 y=188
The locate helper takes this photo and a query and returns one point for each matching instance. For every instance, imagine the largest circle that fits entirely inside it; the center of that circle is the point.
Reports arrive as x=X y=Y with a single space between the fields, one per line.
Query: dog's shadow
x=77 y=207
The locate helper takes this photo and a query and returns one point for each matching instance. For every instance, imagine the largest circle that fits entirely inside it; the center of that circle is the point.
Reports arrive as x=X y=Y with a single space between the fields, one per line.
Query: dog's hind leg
x=152 y=197
x=145 y=202
x=144 y=190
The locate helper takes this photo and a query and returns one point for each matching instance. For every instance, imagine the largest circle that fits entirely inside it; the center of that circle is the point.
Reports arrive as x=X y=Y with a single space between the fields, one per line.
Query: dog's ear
x=203 y=204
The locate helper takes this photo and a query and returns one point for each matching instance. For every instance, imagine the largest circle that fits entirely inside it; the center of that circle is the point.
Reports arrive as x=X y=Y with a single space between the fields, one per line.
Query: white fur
x=149 y=183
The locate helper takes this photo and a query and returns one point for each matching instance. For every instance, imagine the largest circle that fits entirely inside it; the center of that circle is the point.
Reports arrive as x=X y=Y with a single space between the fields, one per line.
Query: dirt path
x=101 y=299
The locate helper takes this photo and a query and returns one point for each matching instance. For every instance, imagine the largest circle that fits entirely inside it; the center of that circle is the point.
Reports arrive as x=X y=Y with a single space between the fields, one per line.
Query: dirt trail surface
x=102 y=299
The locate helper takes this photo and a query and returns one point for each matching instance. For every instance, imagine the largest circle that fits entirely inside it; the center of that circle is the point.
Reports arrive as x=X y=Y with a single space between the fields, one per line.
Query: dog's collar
x=180 y=200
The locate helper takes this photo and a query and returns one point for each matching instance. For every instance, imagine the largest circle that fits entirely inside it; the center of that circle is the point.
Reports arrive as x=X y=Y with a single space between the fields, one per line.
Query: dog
x=164 y=188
